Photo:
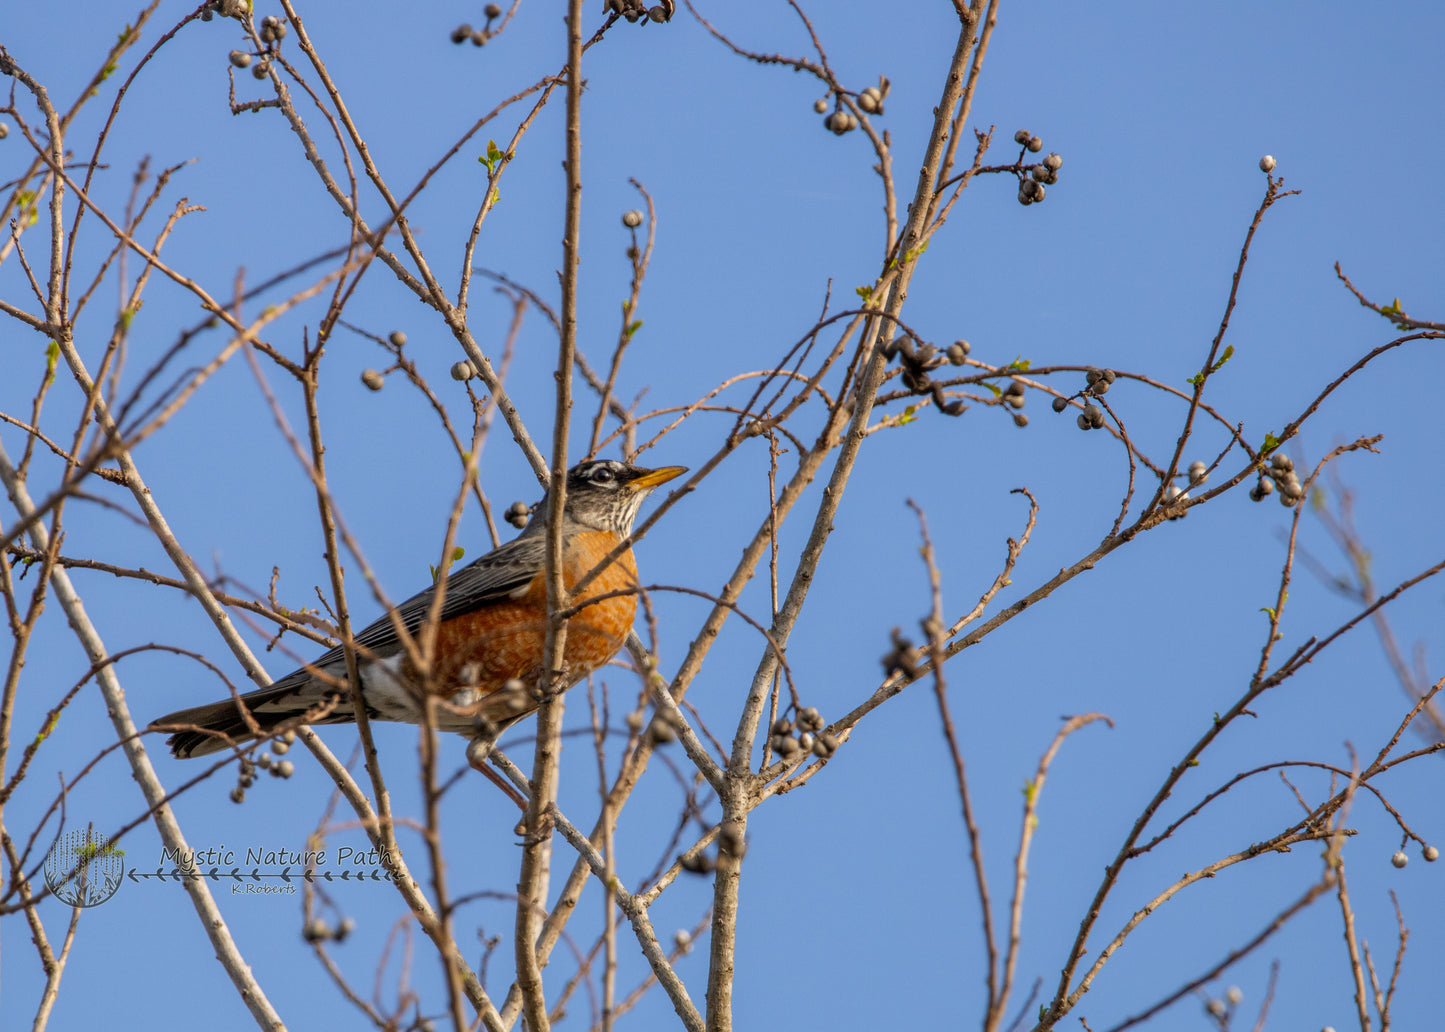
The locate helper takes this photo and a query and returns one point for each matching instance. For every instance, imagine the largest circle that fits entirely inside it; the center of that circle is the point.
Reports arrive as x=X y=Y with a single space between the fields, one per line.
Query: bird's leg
x=477 y=752
x=479 y=749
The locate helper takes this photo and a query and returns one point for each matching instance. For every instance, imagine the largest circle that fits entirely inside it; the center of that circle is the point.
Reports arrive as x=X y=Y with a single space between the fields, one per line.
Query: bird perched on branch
x=488 y=640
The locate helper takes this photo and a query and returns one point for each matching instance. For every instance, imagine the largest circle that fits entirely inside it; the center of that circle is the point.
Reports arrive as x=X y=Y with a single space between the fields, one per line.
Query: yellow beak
x=653 y=477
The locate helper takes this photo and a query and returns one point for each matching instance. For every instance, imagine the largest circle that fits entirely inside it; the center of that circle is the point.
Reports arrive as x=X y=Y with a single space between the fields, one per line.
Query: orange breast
x=505 y=639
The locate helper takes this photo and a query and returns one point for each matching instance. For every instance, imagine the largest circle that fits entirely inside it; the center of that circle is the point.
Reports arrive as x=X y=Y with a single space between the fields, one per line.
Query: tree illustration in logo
x=83 y=869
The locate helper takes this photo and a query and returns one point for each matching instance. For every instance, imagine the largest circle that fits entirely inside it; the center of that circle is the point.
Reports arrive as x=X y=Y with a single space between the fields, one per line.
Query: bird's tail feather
x=217 y=726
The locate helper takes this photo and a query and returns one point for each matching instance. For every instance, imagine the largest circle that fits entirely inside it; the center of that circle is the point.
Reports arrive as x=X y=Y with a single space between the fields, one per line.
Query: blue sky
x=1161 y=113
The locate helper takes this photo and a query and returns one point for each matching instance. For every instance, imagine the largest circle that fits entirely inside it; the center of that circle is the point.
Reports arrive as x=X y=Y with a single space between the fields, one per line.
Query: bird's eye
x=603 y=475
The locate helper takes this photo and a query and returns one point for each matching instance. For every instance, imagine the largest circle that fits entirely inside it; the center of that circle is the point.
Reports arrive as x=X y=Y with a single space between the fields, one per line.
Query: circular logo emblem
x=84 y=870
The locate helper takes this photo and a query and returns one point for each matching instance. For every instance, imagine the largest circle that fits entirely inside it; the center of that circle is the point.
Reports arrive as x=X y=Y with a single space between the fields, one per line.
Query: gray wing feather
x=493 y=576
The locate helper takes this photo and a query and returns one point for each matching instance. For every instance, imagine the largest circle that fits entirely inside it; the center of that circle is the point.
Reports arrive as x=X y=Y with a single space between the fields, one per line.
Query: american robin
x=489 y=639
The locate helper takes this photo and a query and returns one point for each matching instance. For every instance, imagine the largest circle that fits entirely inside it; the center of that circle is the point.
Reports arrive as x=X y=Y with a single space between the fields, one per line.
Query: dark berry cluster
x=517 y=514
x=903 y=658
x=226 y=9
x=247 y=772
x=316 y=930
x=792 y=740
x=464 y=32
x=273 y=29
x=637 y=10
x=1096 y=384
x=729 y=841
x=841 y=121
x=1280 y=472
x=1013 y=396
x=1033 y=178
x=918 y=362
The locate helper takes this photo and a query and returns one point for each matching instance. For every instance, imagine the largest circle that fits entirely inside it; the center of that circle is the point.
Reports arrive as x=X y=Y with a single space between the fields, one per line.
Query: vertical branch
x=1352 y=945
x=536 y=848
x=640 y=260
x=957 y=88
x=934 y=625
x=119 y=709
x=338 y=596
x=54 y=968
x=609 y=908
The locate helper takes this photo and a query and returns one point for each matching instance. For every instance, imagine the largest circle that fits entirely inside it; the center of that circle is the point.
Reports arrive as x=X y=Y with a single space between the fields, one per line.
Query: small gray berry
x=397 y=339
x=492 y=11
x=1266 y=163
x=284 y=769
x=1198 y=473
x=1399 y=859
x=463 y=371
x=1053 y=162
x=240 y=58
x=1035 y=145
x=632 y=219
x=374 y=381
x=820 y=105
x=1022 y=137
x=1431 y=854
x=1060 y=404
x=461 y=33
